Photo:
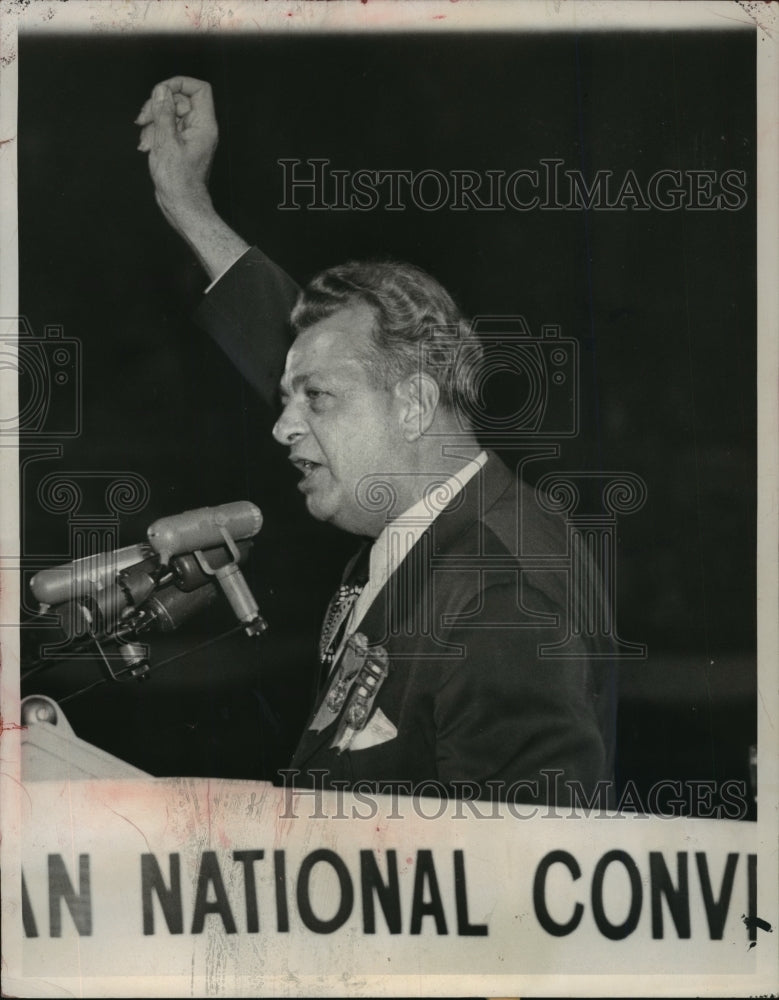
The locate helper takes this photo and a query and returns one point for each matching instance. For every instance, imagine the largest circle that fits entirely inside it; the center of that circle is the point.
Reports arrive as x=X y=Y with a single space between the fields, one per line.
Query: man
x=433 y=673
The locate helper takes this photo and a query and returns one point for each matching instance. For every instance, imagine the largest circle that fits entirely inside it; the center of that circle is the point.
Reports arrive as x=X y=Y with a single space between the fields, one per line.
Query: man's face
x=338 y=426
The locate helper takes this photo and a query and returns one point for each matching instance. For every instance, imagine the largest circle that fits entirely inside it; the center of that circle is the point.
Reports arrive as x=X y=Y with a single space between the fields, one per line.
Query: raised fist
x=180 y=134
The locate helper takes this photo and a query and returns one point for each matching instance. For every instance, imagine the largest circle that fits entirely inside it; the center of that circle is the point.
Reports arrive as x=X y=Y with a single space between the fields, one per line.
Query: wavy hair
x=417 y=325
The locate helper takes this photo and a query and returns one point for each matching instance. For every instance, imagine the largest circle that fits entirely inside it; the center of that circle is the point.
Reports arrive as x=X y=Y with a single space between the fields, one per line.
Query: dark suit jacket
x=472 y=696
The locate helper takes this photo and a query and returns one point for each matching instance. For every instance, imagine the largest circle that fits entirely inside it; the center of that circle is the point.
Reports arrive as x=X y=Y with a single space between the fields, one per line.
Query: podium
x=51 y=751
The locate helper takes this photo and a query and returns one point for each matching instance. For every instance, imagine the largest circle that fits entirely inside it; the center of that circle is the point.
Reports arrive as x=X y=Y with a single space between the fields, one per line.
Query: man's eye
x=314 y=394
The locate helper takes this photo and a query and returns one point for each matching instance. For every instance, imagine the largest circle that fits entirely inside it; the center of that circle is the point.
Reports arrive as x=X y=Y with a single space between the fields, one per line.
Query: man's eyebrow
x=284 y=384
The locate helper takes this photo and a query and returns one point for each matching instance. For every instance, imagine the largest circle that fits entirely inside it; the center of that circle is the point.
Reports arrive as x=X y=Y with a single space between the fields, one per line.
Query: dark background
x=662 y=303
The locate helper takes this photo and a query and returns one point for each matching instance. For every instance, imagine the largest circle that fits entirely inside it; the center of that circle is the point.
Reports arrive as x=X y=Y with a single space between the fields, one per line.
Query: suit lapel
x=403 y=607
x=312 y=741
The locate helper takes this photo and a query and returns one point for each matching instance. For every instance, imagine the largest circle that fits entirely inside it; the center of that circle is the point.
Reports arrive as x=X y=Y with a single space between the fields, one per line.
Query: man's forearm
x=216 y=246
x=180 y=134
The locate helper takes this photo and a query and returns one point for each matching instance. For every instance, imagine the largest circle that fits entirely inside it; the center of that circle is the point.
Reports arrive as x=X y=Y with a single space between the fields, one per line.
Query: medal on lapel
x=350 y=662
x=363 y=690
x=354 y=654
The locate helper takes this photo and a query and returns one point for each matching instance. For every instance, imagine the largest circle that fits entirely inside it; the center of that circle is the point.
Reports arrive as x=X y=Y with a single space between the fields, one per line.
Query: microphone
x=163 y=611
x=169 y=608
x=187 y=572
x=204 y=528
x=85 y=576
x=161 y=584
x=208 y=527
x=140 y=586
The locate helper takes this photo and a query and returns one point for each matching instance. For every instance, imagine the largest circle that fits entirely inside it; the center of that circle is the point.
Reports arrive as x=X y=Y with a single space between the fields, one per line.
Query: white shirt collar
x=399 y=536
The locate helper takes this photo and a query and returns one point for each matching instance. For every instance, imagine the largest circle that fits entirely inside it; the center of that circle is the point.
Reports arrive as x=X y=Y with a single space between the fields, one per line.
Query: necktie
x=340 y=608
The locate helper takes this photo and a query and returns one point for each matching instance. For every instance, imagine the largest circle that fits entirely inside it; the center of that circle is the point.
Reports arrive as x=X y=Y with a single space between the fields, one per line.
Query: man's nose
x=290 y=426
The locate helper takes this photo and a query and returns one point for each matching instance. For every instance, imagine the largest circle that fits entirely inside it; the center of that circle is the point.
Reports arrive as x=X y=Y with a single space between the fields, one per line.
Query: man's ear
x=419 y=395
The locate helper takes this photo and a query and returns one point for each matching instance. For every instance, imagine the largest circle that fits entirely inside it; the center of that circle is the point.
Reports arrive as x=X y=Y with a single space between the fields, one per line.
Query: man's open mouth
x=305 y=465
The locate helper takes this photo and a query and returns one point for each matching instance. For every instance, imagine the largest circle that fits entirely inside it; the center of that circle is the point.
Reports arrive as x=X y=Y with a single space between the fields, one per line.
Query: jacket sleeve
x=246 y=313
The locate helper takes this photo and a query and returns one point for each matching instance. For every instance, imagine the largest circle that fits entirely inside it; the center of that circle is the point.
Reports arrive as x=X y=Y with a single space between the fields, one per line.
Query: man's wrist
x=191 y=213
x=229 y=261
x=187 y=210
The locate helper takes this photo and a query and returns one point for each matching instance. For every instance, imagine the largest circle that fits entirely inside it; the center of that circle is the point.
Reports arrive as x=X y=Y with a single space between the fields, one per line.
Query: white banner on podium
x=219 y=888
